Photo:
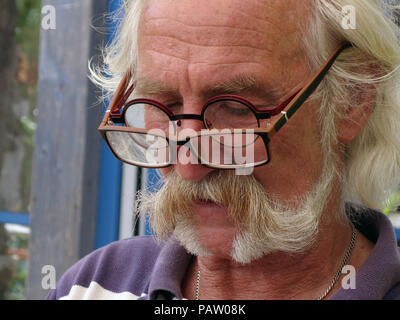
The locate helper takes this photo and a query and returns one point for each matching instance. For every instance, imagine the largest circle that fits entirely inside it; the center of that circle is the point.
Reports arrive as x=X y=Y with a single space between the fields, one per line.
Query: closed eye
x=175 y=108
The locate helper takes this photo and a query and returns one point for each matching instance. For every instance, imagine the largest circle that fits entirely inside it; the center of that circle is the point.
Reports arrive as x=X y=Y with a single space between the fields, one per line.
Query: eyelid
x=265 y=106
x=174 y=104
x=261 y=102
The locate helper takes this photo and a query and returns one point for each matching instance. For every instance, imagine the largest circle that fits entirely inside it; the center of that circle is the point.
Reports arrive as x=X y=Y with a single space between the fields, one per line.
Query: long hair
x=372 y=167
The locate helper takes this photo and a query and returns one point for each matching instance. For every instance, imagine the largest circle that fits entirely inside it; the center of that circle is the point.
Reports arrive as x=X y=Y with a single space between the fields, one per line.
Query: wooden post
x=67 y=150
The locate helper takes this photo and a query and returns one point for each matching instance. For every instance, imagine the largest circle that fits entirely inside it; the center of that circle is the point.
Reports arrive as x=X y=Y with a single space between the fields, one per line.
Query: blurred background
x=19 y=38
x=62 y=193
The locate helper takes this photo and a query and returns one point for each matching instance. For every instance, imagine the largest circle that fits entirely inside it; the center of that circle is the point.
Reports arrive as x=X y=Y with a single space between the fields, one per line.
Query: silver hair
x=372 y=167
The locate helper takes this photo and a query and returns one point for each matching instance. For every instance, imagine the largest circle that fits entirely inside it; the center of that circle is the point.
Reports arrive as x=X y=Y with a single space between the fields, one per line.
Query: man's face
x=191 y=47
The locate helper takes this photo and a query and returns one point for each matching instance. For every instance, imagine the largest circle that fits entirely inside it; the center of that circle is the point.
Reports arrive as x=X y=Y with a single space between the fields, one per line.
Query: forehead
x=272 y=15
x=200 y=39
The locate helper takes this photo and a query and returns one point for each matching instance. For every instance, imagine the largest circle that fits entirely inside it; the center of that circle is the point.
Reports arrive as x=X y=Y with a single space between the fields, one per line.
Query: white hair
x=372 y=168
x=121 y=54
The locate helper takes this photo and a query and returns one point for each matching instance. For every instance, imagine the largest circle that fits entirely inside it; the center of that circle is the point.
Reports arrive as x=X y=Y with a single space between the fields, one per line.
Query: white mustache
x=263 y=223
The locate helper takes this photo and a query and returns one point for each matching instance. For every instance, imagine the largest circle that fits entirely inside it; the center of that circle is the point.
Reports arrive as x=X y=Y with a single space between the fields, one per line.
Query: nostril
x=179 y=123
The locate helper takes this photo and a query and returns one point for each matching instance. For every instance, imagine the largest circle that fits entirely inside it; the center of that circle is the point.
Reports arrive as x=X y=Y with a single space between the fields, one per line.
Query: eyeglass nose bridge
x=174 y=146
x=177 y=143
x=180 y=117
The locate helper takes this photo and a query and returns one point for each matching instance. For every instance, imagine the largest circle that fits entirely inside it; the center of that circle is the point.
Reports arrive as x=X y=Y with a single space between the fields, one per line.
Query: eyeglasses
x=236 y=133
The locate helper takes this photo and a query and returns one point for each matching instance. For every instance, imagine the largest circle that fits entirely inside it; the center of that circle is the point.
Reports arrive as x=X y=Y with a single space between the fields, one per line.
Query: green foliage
x=392 y=204
x=27 y=34
x=16 y=286
x=27 y=30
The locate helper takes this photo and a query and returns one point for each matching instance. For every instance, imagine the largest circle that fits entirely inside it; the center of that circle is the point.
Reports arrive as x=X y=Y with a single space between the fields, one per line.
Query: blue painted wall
x=108 y=204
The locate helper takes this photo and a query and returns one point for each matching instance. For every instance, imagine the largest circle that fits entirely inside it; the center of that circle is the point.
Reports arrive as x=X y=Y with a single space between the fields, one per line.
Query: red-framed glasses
x=236 y=133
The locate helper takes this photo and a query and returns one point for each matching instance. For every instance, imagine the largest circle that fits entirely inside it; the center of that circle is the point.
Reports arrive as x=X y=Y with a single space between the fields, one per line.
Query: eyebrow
x=146 y=86
x=243 y=84
x=237 y=85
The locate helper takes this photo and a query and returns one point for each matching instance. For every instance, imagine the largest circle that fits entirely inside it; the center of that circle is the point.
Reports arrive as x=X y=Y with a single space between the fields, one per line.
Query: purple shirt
x=139 y=268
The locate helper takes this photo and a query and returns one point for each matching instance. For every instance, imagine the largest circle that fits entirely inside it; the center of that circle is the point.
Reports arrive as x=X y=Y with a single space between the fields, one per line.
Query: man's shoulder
x=394 y=293
x=119 y=270
x=379 y=276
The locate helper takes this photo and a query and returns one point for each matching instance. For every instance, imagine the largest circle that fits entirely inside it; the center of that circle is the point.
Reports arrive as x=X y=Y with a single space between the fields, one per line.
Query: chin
x=241 y=248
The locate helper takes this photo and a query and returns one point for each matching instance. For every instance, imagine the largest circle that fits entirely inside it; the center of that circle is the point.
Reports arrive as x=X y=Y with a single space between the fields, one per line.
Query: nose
x=187 y=164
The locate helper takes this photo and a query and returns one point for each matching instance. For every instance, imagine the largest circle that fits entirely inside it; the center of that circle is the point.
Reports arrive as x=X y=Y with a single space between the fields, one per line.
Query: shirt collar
x=374 y=279
x=381 y=271
x=169 y=270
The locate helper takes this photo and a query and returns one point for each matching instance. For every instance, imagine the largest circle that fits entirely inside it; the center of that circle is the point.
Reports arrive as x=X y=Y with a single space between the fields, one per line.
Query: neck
x=279 y=275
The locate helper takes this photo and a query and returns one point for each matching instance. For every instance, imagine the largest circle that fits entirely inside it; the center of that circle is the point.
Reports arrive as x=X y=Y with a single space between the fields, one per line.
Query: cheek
x=296 y=159
x=166 y=171
x=297 y=143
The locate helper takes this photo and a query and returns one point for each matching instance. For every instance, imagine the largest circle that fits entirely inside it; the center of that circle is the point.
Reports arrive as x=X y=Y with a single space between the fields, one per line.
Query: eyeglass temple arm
x=118 y=99
x=308 y=89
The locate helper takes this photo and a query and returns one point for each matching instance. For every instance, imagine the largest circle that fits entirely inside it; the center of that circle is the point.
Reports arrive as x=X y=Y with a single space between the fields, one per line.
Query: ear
x=357 y=114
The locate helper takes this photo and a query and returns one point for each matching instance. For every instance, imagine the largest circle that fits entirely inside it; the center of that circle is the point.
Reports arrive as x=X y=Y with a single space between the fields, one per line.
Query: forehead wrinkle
x=234 y=23
x=206 y=37
x=166 y=27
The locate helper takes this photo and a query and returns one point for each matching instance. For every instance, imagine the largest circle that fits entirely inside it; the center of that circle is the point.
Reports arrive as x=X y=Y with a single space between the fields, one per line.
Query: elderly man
x=275 y=125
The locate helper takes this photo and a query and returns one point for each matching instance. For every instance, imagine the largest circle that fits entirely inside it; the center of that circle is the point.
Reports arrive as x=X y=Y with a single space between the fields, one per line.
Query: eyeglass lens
x=217 y=146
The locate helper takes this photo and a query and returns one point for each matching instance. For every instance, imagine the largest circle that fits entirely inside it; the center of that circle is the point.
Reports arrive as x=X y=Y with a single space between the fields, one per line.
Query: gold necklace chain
x=334 y=280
